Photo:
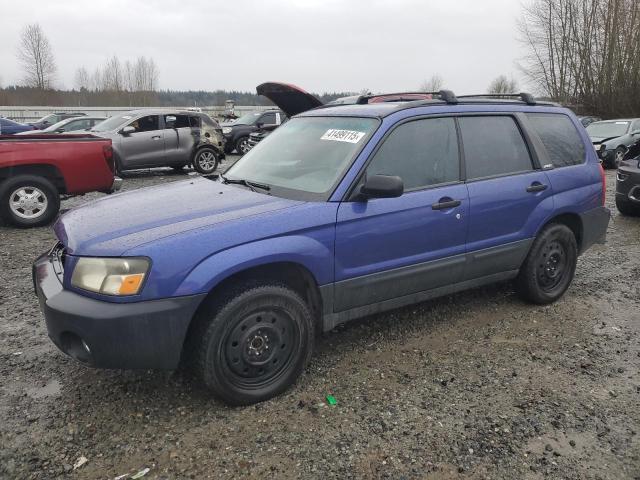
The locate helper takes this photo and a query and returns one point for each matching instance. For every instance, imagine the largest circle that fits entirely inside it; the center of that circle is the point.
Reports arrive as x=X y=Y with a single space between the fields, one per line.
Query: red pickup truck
x=36 y=170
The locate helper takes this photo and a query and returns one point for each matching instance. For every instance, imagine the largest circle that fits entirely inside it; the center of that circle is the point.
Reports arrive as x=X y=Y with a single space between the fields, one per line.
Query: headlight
x=110 y=276
x=226 y=130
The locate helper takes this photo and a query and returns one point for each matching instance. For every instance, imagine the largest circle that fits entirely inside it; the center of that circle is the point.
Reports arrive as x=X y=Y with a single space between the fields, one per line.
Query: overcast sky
x=320 y=45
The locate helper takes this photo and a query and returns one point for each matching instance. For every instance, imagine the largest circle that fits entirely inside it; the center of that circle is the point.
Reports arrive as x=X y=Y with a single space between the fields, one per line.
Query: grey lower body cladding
x=369 y=294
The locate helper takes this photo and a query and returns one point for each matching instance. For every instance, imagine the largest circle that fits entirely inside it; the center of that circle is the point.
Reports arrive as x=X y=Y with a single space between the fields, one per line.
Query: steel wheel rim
x=28 y=202
x=552 y=267
x=260 y=347
x=207 y=161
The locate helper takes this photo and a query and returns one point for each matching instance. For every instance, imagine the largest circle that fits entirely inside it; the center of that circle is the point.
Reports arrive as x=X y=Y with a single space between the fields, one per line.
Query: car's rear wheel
x=242 y=145
x=627 y=208
x=252 y=342
x=205 y=161
x=550 y=266
x=28 y=201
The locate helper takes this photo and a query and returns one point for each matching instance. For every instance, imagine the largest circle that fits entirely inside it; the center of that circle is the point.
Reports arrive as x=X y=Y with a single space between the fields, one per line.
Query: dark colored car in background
x=628 y=187
x=9 y=127
x=613 y=139
x=237 y=132
x=73 y=124
x=290 y=99
x=164 y=138
x=52 y=118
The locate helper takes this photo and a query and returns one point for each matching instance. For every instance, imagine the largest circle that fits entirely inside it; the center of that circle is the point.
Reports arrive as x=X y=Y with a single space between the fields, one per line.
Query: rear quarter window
x=560 y=138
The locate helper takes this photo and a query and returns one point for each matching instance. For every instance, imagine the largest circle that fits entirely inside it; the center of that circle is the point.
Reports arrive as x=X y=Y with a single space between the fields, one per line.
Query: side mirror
x=60 y=130
x=636 y=133
x=127 y=130
x=382 y=186
x=259 y=124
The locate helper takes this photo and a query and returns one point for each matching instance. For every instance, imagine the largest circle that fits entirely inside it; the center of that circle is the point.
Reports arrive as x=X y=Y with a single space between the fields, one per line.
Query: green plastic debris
x=331 y=400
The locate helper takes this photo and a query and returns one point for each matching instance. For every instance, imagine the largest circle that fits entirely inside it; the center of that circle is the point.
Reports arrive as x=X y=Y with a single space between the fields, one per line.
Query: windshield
x=55 y=126
x=607 y=129
x=111 y=123
x=247 y=119
x=308 y=154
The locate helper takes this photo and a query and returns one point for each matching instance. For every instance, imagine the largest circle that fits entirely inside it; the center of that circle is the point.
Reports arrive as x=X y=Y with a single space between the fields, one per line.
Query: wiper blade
x=246 y=183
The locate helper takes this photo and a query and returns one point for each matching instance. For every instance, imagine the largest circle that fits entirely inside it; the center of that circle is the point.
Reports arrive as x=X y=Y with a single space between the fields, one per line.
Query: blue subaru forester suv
x=343 y=212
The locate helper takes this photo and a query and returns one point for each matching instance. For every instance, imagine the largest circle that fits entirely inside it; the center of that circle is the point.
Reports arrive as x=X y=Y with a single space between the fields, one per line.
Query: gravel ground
x=475 y=385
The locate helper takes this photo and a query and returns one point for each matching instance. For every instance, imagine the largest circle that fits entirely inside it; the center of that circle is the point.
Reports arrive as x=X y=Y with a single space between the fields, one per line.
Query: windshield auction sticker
x=350 y=136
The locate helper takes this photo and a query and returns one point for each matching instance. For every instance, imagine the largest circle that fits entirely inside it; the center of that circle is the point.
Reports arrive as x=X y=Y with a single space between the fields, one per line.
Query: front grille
x=58 y=255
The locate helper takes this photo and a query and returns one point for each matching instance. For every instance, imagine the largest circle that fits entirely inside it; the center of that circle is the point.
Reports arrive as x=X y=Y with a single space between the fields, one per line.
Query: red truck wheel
x=28 y=201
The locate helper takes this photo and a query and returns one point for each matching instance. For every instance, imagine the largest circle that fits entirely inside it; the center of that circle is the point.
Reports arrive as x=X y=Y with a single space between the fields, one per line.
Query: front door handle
x=446 y=204
x=537 y=187
x=156 y=137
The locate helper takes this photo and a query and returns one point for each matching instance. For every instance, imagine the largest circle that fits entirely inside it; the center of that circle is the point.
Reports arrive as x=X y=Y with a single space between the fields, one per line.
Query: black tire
x=37 y=190
x=252 y=342
x=550 y=265
x=627 y=208
x=242 y=145
x=205 y=161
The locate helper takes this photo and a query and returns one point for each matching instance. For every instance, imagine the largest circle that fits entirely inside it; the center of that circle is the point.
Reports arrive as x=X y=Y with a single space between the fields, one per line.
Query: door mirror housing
x=259 y=124
x=127 y=130
x=382 y=186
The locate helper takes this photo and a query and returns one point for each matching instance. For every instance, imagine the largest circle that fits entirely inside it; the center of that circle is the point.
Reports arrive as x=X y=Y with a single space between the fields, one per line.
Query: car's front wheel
x=28 y=201
x=205 y=161
x=627 y=208
x=618 y=157
x=242 y=145
x=549 y=268
x=252 y=342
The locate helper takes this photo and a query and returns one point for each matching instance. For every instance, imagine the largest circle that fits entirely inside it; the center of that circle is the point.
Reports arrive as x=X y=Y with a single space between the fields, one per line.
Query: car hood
x=598 y=140
x=290 y=99
x=113 y=225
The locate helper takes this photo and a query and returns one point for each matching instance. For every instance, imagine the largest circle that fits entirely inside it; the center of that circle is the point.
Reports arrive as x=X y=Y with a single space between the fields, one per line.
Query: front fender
x=315 y=254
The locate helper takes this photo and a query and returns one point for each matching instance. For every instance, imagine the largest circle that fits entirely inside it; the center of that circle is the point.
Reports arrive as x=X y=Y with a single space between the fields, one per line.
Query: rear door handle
x=445 y=204
x=537 y=187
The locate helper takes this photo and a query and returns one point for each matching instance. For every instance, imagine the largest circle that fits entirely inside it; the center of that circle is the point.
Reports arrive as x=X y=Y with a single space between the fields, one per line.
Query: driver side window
x=146 y=124
x=422 y=153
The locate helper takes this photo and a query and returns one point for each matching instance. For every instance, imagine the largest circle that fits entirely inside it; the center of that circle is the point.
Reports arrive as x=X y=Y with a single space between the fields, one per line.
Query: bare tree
x=36 y=56
x=96 y=80
x=433 y=84
x=112 y=75
x=584 y=52
x=81 y=79
x=502 y=85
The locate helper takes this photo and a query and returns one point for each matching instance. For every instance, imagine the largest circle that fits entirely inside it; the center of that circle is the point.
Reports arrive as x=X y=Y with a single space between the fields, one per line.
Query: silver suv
x=158 y=138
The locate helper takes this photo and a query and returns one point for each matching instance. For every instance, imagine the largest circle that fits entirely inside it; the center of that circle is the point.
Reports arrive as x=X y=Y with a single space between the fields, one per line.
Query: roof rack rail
x=525 y=97
x=446 y=95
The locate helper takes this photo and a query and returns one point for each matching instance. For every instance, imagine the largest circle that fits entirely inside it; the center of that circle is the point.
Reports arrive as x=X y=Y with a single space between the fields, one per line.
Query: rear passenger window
x=493 y=146
x=560 y=138
x=422 y=153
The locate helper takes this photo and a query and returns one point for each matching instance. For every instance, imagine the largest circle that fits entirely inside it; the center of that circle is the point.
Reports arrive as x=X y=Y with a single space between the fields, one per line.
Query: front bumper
x=112 y=335
x=594 y=227
x=628 y=181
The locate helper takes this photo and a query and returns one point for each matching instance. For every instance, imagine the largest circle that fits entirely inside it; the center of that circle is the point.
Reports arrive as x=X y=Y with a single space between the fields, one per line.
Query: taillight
x=604 y=184
x=107 y=151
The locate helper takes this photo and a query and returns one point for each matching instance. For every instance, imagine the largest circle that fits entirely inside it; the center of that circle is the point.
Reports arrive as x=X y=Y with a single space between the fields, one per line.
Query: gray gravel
x=475 y=385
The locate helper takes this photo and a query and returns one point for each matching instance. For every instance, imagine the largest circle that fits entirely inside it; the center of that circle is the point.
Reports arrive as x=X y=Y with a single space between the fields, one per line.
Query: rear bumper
x=113 y=335
x=594 y=227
